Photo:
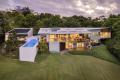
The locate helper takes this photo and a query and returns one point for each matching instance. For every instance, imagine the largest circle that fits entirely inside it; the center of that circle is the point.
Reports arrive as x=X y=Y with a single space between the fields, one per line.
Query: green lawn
x=59 y=67
x=102 y=53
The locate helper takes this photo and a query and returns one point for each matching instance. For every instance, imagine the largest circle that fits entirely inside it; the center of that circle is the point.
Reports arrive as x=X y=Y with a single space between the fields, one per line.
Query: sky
x=88 y=8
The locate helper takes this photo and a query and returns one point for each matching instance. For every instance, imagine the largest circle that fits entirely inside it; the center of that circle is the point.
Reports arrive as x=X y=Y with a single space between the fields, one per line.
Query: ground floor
x=60 y=46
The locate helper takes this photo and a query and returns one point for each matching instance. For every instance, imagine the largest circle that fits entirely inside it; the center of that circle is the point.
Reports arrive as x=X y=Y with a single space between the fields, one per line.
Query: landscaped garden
x=100 y=52
x=59 y=67
x=103 y=53
x=99 y=65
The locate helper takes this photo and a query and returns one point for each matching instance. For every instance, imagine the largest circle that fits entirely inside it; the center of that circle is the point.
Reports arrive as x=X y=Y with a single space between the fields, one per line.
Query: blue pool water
x=31 y=43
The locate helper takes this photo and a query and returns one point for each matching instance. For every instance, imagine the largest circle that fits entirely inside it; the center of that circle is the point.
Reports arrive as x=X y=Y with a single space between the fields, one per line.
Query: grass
x=98 y=52
x=59 y=67
x=103 y=53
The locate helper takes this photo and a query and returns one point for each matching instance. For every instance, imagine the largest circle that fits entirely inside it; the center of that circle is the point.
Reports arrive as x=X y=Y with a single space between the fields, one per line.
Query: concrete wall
x=47 y=38
x=27 y=53
x=54 y=46
x=30 y=33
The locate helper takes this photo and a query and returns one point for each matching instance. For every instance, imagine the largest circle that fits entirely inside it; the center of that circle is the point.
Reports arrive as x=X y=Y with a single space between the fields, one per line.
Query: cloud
x=3 y=4
x=93 y=8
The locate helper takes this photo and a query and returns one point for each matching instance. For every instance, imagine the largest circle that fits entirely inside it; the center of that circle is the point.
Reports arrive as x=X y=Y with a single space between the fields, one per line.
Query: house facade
x=21 y=33
x=59 y=39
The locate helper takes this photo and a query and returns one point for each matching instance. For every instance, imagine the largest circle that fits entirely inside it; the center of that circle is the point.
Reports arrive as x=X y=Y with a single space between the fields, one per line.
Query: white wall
x=6 y=36
x=47 y=38
x=30 y=33
x=27 y=53
x=54 y=46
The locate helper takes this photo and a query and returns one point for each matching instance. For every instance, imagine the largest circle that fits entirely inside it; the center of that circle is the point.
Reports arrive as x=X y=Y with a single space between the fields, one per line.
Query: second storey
x=74 y=34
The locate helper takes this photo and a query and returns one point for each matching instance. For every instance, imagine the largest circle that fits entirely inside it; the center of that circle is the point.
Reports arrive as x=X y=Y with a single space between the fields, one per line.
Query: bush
x=77 y=52
x=43 y=47
x=99 y=52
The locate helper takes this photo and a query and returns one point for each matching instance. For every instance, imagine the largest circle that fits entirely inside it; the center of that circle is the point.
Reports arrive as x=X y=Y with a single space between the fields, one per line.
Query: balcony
x=68 y=38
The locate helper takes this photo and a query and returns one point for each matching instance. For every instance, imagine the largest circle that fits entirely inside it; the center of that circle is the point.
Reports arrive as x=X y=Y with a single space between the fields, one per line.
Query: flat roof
x=20 y=30
x=68 y=30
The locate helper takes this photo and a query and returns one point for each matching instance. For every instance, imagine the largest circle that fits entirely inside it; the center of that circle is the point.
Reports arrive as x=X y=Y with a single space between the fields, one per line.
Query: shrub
x=43 y=47
x=77 y=52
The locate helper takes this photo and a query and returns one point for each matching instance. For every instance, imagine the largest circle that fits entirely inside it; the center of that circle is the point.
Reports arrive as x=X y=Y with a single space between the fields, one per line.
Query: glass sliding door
x=69 y=45
x=80 y=46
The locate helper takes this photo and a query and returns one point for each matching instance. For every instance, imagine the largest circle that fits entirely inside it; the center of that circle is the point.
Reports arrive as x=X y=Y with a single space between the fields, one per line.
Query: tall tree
x=43 y=48
x=20 y=20
x=55 y=21
x=114 y=42
x=3 y=26
x=25 y=11
x=30 y=20
x=12 y=40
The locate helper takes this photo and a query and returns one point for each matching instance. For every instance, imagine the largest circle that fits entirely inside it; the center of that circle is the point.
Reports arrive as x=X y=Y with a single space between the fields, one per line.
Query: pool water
x=31 y=43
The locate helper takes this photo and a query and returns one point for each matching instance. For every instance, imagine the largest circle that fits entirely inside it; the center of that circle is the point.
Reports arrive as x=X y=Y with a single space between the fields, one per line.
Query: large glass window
x=80 y=45
x=51 y=38
x=105 y=34
x=67 y=37
x=95 y=34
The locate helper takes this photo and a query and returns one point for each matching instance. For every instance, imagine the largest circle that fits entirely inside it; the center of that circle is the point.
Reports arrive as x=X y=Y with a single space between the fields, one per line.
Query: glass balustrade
x=68 y=37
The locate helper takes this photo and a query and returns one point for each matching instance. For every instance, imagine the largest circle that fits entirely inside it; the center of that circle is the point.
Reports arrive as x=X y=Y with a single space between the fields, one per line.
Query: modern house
x=59 y=39
x=22 y=33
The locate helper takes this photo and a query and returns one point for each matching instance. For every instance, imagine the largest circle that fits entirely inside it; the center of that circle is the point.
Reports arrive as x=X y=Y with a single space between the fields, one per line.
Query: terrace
x=68 y=37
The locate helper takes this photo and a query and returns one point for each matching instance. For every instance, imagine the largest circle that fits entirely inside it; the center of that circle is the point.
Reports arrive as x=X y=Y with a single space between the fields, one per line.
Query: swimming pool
x=31 y=43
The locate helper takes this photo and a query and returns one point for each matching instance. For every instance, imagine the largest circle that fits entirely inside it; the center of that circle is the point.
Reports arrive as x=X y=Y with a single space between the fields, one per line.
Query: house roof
x=20 y=31
x=68 y=30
